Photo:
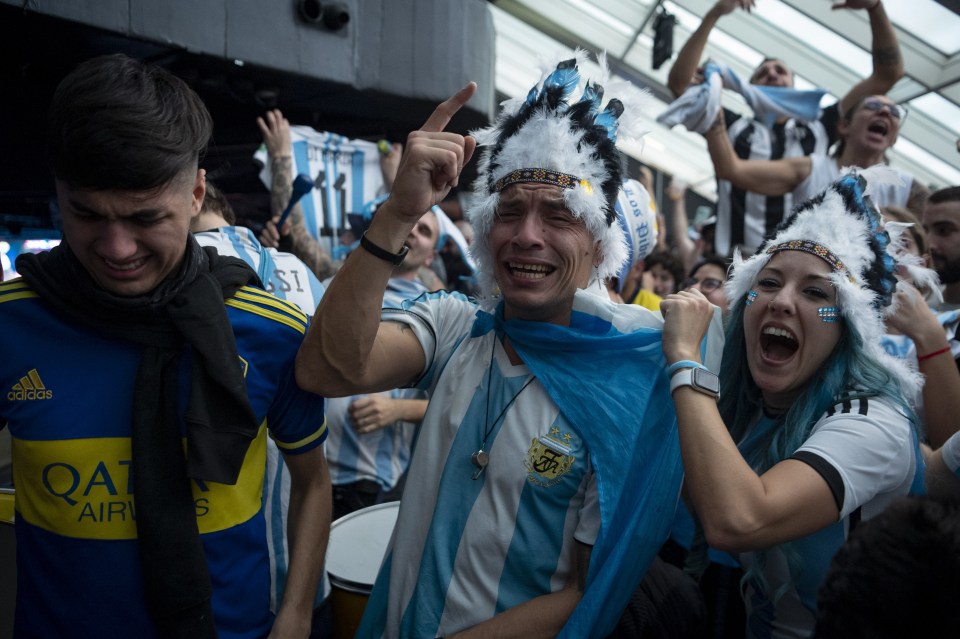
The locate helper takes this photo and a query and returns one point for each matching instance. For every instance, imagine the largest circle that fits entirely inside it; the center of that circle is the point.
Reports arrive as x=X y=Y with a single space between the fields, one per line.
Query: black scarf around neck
x=186 y=309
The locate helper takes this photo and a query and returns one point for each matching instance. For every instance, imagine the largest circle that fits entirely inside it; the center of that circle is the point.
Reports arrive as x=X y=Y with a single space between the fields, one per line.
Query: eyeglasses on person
x=897 y=111
x=707 y=284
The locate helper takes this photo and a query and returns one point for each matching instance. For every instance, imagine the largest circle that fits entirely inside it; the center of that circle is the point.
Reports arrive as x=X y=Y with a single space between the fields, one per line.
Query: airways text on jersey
x=29 y=388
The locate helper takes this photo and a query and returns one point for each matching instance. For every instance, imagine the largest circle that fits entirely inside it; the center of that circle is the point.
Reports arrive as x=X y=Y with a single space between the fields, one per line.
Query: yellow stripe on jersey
x=276 y=317
x=304 y=441
x=262 y=297
x=15 y=290
x=83 y=488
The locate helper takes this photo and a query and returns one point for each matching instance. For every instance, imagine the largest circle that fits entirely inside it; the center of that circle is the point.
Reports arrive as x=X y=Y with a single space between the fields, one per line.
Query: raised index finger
x=445 y=111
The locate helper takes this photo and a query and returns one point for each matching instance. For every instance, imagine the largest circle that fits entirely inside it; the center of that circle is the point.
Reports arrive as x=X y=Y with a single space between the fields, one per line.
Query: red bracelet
x=945 y=349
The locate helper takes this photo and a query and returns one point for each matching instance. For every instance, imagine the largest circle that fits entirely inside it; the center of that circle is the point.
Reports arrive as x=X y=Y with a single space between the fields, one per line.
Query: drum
x=8 y=561
x=358 y=543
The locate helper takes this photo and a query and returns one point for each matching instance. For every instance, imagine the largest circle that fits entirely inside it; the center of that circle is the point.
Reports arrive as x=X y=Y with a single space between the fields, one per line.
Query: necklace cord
x=486 y=417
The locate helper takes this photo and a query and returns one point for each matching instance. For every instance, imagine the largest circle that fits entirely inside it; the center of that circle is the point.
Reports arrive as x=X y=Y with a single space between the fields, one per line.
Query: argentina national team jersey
x=867 y=452
x=384 y=454
x=466 y=549
x=283 y=275
x=69 y=412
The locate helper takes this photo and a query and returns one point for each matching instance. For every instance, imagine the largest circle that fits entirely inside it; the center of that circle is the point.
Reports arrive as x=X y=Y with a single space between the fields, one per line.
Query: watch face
x=706 y=380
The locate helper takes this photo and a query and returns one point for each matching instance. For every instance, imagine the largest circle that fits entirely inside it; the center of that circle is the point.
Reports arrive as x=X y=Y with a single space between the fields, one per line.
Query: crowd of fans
x=800 y=341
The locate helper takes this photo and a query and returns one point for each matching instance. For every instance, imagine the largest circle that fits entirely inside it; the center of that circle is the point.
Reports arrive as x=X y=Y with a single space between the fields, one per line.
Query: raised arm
x=887 y=60
x=941 y=386
x=347 y=349
x=766 y=177
x=686 y=249
x=740 y=510
x=296 y=239
x=688 y=60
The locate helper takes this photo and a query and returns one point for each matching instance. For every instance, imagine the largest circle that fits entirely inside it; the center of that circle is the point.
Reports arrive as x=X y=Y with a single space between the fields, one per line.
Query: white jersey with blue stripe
x=466 y=549
x=283 y=275
x=288 y=278
x=384 y=454
x=866 y=451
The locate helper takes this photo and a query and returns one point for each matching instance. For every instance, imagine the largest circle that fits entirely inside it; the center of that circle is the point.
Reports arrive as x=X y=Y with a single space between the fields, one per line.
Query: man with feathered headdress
x=546 y=473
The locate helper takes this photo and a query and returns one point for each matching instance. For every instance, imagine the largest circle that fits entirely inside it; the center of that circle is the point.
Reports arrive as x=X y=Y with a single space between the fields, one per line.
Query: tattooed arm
x=295 y=237
x=887 y=60
x=347 y=349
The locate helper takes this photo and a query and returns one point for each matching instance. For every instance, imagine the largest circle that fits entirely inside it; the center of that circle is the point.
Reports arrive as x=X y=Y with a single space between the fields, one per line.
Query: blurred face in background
x=709 y=280
x=773 y=73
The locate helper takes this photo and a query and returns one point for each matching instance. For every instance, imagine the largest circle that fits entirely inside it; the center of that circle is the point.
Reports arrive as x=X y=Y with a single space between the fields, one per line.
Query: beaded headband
x=555 y=137
x=813 y=248
x=842 y=226
x=541 y=176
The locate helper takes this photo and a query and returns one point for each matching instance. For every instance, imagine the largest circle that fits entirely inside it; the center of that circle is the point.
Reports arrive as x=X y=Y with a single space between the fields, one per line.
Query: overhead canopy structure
x=826 y=48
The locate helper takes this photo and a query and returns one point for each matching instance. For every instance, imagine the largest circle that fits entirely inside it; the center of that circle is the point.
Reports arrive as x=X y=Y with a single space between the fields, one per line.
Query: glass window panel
x=928 y=20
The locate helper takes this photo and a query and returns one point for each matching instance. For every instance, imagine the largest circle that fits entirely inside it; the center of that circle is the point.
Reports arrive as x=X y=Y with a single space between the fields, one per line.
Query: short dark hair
x=216 y=202
x=946 y=194
x=757 y=68
x=717 y=260
x=670 y=263
x=117 y=123
x=897 y=574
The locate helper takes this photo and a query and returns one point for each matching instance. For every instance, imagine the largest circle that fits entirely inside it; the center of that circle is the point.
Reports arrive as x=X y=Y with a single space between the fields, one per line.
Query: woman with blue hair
x=806 y=431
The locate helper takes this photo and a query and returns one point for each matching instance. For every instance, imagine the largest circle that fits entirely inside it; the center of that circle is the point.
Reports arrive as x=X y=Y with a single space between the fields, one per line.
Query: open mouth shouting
x=880 y=127
x=777 y=344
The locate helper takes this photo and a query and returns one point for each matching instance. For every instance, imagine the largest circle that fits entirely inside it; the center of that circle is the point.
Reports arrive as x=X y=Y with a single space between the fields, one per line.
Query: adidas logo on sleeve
x=30 y=387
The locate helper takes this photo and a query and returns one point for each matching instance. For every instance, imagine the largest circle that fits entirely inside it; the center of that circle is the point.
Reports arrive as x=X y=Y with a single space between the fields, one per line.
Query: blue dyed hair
x=849 y=372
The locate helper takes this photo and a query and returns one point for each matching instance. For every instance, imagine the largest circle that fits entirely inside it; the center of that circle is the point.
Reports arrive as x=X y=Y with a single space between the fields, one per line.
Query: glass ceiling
x=825 y=48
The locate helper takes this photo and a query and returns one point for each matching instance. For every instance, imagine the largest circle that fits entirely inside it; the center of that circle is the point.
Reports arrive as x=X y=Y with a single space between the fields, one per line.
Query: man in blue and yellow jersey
x=140 y=375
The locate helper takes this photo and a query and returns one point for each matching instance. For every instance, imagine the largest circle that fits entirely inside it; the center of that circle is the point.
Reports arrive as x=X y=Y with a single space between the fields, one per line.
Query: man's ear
x=597 y=254
x=199 y=191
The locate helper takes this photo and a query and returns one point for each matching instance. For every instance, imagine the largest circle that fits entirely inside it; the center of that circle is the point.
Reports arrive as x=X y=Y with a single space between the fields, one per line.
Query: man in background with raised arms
x=744 y=218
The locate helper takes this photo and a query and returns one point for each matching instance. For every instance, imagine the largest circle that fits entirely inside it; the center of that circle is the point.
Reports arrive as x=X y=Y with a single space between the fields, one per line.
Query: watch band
x=699 y=379
x=378 y=251
x=684 y=363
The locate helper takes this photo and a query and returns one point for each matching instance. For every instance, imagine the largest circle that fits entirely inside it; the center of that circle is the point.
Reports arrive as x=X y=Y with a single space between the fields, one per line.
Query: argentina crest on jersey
x=549 y=457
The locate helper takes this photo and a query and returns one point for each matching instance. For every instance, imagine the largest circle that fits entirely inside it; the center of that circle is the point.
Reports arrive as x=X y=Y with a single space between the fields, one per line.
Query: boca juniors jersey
x=67 y=400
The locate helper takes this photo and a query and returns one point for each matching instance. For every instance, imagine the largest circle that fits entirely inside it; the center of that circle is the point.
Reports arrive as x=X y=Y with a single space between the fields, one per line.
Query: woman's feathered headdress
x=842 y=226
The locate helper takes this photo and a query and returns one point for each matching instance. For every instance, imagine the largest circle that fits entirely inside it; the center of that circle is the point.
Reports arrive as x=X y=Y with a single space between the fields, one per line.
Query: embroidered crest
x=549 y=458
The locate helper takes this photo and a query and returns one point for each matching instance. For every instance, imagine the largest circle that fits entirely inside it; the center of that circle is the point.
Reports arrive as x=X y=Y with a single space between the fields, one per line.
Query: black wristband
x=378 y=251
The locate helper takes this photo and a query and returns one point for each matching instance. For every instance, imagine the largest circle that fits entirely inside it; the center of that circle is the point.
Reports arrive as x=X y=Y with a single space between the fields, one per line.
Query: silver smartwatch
x=699 y=379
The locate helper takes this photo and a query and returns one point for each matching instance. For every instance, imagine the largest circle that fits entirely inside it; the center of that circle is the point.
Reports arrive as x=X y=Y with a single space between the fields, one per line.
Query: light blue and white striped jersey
x=383 y=455
x=283 y=275
x=466 y=549
x=288 y=278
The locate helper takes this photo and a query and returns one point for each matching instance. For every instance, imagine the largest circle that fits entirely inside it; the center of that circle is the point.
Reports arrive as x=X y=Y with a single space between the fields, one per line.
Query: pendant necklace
x=481 y=458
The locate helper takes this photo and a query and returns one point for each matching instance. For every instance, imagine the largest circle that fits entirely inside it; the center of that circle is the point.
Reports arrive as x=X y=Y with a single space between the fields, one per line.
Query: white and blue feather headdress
x=549 y=139
x=842 y=226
